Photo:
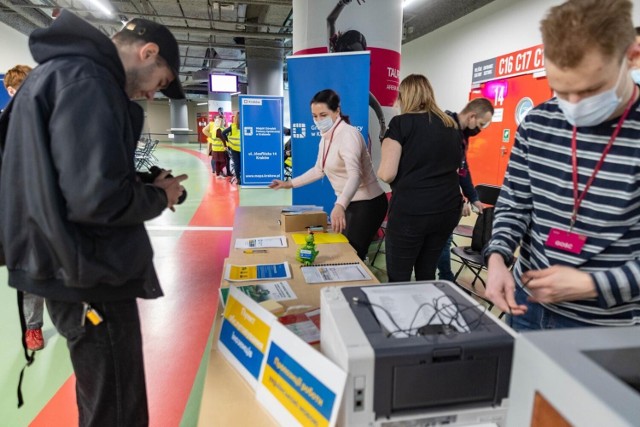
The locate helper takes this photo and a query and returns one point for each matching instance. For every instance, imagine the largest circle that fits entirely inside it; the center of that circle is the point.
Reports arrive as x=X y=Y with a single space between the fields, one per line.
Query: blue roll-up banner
x=4 y=95
x=348 y=75
x=261 y=139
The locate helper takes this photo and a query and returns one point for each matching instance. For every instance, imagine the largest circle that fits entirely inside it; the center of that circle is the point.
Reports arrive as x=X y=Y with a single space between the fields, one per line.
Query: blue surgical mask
x=325 y=124
x=595 y=109
x=635 y=75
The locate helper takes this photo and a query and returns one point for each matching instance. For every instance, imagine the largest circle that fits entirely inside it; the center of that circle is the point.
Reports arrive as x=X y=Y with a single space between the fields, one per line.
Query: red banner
x=520 y=62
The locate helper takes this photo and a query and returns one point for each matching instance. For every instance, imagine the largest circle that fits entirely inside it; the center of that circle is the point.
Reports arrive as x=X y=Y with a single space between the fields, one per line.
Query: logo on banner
x=298 y=130
x=522 y=109
x=252 y=101
x=248 y=131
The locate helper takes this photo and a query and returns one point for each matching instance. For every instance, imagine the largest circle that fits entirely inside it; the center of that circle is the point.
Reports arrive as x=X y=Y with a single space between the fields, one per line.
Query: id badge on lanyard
x=568 y=241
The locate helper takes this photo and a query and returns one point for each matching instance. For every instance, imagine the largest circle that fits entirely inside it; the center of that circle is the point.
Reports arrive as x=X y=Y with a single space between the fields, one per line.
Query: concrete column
x=219 y=100
x=179 y=120
x=331 y=26
x=264 y=67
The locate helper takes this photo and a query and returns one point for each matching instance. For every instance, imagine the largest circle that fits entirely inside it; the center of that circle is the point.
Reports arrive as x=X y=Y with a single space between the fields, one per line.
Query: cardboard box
x=300 y=221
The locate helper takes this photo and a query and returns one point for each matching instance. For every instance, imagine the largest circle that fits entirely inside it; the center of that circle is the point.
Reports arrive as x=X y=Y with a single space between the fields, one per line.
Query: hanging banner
x=524 y=61
x=307 y=76
x=261 y=139
x=4 y=95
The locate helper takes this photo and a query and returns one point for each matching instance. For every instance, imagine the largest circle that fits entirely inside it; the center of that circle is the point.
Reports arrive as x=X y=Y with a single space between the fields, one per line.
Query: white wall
x=446 y=55
x=15 y=49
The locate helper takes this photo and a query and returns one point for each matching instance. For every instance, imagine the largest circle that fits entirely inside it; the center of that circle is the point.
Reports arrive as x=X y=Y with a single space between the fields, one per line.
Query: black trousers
x=415 y=242
x=236 y=159
x=107 y=361
x=363 y=221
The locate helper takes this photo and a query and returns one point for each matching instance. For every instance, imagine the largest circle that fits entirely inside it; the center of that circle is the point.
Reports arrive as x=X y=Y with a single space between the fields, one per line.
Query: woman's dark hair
x=332 y=99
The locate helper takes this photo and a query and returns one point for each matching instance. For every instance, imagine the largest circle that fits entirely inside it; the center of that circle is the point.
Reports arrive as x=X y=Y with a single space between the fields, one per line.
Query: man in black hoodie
x=72 y=209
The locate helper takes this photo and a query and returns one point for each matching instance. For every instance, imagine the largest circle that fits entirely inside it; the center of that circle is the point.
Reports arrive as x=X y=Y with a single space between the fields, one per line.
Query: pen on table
x=254 y=251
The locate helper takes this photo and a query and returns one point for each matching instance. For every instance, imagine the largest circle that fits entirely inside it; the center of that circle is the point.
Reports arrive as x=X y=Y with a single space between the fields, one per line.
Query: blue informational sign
x=241 y=348
x=4 y=95
x=261 y=139
x=348 y=75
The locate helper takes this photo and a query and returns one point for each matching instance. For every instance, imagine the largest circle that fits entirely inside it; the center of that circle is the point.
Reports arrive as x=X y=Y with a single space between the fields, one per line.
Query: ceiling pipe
x=17 y=22
x=131 y=15
x=200 y=3
x=216 y=58
x=206 y=31
x=35 y=17
x=225 y=45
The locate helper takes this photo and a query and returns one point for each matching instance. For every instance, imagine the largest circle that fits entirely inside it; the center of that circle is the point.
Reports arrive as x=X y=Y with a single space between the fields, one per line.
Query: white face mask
x=325 y=124
x=595 y=109
x=635 y=75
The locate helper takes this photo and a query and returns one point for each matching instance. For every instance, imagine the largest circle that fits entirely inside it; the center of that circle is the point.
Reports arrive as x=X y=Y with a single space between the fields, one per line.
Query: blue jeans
x=537 y=317
x=444 y=263
x=33 y=307
x=107 y=360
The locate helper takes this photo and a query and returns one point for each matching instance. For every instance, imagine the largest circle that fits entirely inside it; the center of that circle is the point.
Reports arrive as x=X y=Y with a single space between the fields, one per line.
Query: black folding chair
x=471 y=257
x=379 y=250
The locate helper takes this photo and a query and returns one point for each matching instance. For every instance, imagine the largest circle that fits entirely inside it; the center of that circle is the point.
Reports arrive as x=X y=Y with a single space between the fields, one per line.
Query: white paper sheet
x=262 y=242
x=413 y=306
x=324 y=273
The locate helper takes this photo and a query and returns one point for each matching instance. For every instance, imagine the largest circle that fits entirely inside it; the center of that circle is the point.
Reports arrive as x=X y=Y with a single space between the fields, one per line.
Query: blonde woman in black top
x=420 y=158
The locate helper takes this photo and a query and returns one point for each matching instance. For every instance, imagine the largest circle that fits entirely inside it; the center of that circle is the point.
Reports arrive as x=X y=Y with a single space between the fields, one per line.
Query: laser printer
x=433 y=374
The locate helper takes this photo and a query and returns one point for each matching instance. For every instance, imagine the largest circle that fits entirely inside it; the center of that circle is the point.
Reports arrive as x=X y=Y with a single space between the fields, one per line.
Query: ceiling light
x=406 y=3
x=100 y=5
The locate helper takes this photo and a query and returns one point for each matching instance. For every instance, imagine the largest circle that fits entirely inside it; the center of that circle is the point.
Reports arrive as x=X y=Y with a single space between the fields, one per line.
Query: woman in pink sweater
x=361 y=204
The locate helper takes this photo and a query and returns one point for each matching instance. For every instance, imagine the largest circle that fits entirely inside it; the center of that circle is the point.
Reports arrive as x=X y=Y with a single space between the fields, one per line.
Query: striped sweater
x=537 y=195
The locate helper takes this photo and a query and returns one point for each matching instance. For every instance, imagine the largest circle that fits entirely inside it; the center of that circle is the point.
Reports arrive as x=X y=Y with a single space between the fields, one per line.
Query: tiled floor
x=190 y=246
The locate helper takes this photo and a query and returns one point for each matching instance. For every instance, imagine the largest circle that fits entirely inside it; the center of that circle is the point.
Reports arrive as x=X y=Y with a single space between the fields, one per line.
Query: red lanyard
x=577 y=199
x=326 y=153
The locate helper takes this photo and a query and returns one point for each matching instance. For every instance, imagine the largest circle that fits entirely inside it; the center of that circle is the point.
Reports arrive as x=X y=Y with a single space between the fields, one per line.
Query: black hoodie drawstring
x=29 y=357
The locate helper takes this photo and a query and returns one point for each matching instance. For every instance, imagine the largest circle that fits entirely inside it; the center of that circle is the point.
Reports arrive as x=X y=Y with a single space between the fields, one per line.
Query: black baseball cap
x=153 y=32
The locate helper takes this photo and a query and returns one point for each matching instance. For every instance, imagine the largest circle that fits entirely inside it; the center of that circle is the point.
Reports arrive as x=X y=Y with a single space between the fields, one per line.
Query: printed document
x=407 y=308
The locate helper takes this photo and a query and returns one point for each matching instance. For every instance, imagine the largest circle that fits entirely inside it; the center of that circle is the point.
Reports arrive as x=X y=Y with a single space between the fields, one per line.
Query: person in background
x=32 y=305
x=231 y=136
x=361 y=204
x=635 y=64
x=217 y=146
x=570 y=195
x=420 y=158
x=72 y=228
x=474 y=117
x=288 y=160
x=14 y=77
x=227 y=159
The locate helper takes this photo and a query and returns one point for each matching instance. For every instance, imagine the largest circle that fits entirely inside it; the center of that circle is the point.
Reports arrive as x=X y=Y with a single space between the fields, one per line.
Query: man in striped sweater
x=571 y=195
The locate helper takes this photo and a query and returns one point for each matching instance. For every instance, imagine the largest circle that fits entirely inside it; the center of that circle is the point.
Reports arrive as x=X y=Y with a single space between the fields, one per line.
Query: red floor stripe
x=61 y=410
x=175 y=328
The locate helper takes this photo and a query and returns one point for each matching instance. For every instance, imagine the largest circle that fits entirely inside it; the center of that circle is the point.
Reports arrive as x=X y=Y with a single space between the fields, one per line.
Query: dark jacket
x=71 y=207
x=466 y=183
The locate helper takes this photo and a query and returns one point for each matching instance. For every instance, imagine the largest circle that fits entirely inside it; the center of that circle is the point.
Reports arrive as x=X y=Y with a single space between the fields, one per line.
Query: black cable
x=454 y=317
x=357 y=300
x=441 y=312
